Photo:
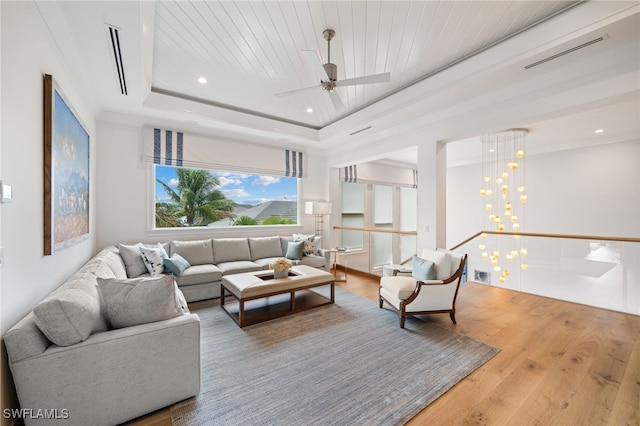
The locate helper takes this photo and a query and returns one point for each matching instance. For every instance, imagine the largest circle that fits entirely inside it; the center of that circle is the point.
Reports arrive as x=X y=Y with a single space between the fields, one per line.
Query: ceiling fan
x=328 y=74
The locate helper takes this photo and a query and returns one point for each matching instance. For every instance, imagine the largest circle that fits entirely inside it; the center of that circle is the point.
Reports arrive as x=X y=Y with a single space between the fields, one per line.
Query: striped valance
x=172 y=148
x=380 y=174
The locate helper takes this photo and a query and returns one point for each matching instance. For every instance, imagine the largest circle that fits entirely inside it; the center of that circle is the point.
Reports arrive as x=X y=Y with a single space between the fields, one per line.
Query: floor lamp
x=319 y=209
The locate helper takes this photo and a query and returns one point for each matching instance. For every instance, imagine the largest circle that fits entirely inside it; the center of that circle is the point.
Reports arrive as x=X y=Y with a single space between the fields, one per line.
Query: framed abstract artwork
x=66 y=172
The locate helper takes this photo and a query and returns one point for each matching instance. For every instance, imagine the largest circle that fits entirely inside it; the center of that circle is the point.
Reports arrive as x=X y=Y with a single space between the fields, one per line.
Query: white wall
x=587 y=191
x=28 y=276
x=124 y=199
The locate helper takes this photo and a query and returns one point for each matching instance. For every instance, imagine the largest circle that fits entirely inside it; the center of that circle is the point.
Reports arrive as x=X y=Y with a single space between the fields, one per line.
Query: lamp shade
x=317 y=207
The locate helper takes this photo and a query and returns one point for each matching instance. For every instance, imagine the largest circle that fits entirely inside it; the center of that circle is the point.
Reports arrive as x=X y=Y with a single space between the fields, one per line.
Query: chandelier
x=503 y=190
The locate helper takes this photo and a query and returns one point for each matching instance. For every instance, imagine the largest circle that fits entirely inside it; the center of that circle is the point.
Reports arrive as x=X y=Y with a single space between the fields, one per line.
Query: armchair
x=417 y=295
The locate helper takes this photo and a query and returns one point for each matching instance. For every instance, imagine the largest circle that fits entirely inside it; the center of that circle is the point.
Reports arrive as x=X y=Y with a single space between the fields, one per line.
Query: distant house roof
x=283 y=209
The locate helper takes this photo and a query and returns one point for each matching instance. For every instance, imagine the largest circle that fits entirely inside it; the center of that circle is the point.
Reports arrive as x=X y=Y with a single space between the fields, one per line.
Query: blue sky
x=239 y=187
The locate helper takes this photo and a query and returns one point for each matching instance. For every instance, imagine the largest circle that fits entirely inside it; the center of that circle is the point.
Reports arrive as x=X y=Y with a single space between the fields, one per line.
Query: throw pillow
x=71 y=314
x=441 y=260
x=176 y=264
x=153 y=259
x=295 y=250
x=422 y=269
x=308 y=243
x=138 y=301
x=132 y=260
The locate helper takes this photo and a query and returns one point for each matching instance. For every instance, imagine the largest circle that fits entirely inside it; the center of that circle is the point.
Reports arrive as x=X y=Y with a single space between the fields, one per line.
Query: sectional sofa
x=210 y=259
x=113 y=343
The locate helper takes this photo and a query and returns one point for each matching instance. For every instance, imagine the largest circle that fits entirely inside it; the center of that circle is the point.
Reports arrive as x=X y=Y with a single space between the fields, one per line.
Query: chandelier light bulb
x=523 y=198
x=489 y=192
x=482 y=246
x=509 y=257
x=507 y=206
x=505 y=174
x=489 y=206
x=485 y=255
x=501 y=227
x=502 y=279
x=516 y=226
x=487 y=178
x=514 y=219
x=497 y=268
x=483 y=236
x=524 y=266
x=523 y=252
x=499 y=181
x=521 y=189
x=520 y=153
x=483 y=192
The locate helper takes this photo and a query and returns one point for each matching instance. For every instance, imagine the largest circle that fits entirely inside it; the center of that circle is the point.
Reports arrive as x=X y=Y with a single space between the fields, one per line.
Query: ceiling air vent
x=114 y=45
x=573 y=49
x=358 y=131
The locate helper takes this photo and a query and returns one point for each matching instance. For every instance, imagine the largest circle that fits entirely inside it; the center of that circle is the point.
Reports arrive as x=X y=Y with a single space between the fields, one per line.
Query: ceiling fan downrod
x=329 y=68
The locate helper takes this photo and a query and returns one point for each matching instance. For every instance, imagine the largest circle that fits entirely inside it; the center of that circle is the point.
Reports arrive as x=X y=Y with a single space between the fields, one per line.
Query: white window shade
x=172 y=148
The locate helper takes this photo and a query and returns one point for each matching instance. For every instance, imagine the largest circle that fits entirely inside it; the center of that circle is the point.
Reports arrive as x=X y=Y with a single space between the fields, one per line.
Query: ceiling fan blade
x=293 y=92
x=374 y=78
x=337 y=102
x=312 y=58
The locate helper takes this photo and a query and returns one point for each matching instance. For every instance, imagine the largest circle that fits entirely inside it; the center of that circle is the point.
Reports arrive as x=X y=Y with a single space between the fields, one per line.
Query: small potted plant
x=281 y=267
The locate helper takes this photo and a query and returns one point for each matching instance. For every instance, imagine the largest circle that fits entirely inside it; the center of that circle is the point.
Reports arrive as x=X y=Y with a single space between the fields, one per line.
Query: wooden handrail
x=544 y=235
x=385 y=231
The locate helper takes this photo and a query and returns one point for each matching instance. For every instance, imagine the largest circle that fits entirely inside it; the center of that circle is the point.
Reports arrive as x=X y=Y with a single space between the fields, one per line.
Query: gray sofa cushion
x=25 y=339
x=238 y=267
x=197 y=252
x=70 y=314
x=265 y=247
x=230 y=249
x=199 y=274
x=138 y=301
x=264 y=263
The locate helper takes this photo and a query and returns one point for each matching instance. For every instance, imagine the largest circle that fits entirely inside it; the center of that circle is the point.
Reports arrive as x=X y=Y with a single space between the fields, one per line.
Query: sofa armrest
x=114 y=376
x=327 y=257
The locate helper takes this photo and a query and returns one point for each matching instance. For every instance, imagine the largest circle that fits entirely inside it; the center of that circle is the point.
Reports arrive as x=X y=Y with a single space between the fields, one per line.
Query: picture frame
x=66 y=172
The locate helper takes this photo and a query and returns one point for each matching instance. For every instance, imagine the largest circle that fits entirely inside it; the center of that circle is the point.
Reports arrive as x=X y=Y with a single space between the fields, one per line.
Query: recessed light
x=202 y=80
x=309 y=110
x=598 y=131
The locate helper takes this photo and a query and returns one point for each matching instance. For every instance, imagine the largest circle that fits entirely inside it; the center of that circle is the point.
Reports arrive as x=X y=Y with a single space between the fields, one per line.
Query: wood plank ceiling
x=248 y=51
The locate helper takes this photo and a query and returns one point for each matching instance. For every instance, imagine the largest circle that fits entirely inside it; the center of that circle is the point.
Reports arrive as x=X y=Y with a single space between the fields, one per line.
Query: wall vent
x=573 y=49
x=482 y=276
x=114 y=44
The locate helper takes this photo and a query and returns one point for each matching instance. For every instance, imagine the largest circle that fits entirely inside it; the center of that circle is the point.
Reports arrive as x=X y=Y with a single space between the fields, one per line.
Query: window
x=195 y=197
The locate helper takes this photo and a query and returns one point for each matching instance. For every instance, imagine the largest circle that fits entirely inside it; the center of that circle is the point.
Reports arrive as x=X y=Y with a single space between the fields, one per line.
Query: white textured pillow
x=441 y=260
x=138 y=301
x=153 y=259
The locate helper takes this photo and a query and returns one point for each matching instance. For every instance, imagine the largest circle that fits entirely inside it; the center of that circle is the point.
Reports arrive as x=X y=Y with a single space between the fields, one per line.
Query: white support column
x=432 y=195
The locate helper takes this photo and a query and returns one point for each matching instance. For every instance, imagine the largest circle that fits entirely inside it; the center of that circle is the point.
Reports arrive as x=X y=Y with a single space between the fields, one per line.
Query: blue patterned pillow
x=423 y=269
x=153 y=259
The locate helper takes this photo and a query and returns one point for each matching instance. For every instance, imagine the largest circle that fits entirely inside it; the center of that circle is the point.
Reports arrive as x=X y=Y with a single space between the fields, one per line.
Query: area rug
x=343 y=364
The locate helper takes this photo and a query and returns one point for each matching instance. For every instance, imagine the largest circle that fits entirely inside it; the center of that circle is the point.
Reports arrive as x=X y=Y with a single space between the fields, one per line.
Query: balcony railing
x=600 y=271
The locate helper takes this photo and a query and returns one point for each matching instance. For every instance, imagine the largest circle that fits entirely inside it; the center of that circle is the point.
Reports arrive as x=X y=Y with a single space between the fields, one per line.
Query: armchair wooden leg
x=380 y=301
x=452 y=315
x=401 y=321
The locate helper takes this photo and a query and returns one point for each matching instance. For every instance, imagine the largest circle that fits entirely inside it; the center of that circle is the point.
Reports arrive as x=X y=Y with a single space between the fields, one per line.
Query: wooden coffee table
x=260 y=297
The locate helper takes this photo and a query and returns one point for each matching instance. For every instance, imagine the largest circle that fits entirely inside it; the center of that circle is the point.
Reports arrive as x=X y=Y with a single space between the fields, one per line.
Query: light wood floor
x=560 y=363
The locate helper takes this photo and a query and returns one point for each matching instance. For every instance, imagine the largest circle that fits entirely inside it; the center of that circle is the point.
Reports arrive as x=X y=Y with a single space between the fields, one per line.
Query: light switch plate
x=6 y=192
